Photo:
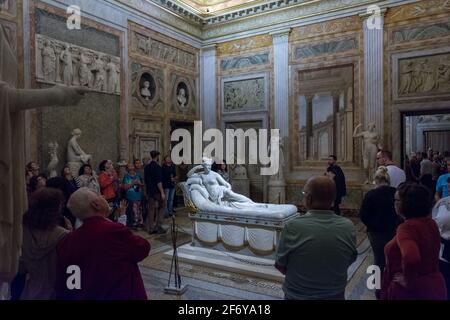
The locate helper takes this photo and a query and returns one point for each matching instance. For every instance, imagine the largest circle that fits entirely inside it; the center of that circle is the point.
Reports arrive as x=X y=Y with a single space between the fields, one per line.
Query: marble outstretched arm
x=24 y=99
x=193 y=170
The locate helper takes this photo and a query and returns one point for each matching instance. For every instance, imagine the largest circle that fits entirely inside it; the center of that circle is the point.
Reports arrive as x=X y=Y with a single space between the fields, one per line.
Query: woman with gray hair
x=378 y=214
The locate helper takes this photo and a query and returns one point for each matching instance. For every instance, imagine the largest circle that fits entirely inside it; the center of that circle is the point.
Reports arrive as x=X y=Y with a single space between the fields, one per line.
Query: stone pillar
x=373 y=70
x=208 y=87
x=281 y=80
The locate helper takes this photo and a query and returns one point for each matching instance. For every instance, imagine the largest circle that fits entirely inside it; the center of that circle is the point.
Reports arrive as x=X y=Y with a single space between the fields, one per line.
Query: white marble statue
x=371 y=145
x=48 y=62
x=53 y=152
x=145 y=91
x=85 y=73
x=181 y=98
x=13 y=197
x=98 y=69
x=67 y=65
x=209 y=192
x=76 y=157
x=112 y=82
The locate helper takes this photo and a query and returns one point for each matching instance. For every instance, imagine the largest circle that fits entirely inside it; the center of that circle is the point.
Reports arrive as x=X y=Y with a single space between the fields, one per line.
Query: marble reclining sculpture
x=227 y=221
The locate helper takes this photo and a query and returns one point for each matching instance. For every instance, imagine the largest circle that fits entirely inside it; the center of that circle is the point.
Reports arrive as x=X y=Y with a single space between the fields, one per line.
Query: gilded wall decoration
x=417 y=10
x=326 y=28
x=183 y=95
x=147 y=85
x=418 y=33
x=241 y=62
x=424 y=75
x=238 y=46
x=164 y=52
x=244 y=95
x=308 y=50
x=60 y=62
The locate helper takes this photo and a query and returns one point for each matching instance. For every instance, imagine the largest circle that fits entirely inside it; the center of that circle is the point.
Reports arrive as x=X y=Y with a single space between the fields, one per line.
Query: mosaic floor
x=206 y=283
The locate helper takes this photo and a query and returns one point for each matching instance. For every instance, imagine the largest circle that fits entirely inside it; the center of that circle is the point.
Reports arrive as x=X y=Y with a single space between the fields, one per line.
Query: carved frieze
x=238 y=46
x=425 y=75
x=246 y=94
x=161 y=51
x=60 y=62
x=8 y=7
x=326 y=27
x=417 y=10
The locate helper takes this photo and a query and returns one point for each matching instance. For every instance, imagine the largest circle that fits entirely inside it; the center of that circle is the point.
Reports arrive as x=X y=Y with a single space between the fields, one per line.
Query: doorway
x=427 y=131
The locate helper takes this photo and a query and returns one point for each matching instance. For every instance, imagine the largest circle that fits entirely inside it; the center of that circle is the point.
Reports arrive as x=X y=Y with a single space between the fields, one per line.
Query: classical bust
x=145 y=91
x=181 y=98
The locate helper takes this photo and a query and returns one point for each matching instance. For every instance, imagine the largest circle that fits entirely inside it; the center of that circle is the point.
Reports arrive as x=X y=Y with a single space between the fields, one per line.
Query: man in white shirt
x=396 y=175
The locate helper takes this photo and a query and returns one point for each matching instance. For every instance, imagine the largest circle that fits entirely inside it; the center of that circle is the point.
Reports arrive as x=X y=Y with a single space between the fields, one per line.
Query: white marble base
x=252 y=266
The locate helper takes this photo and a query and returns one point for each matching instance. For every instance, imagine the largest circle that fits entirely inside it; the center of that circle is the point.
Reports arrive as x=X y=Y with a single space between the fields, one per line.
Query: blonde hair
x=382 y=176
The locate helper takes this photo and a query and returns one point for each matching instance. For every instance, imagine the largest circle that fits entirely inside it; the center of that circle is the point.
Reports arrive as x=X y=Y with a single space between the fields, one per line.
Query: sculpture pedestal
x=228 y=261
x=277 y=191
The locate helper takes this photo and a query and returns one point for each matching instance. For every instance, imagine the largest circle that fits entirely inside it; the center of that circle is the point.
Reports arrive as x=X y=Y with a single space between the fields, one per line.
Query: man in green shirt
x=316 y=249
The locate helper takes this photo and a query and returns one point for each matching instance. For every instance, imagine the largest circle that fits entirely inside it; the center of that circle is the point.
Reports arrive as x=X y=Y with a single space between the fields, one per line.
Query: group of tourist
x=135 y=186
x=410 y=245
x=71 y=222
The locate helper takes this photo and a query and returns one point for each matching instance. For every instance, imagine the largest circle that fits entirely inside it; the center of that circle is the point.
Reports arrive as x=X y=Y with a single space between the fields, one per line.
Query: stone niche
x=147 y=87
x=98 y=115
x=183 y=95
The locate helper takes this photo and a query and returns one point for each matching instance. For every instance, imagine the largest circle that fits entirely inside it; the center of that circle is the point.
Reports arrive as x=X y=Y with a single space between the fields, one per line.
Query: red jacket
x=107 y=187
x=107 y=254
x=414 y=254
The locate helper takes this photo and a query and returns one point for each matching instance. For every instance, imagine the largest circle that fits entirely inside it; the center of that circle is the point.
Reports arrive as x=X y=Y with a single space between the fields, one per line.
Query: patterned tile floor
x=206 y=283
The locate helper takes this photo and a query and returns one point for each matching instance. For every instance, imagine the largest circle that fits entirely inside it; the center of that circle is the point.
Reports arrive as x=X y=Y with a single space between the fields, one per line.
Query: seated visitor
x=41 y=236
x=106 y=252
x=315 y=250
x=412 y=256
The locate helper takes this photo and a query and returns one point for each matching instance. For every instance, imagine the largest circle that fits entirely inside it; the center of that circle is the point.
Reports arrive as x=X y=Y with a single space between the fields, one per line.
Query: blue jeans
x=170 y=194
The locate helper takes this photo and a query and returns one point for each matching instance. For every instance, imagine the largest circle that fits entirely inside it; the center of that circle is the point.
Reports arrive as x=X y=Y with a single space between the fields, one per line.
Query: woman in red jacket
x=412 y=256
x=109 y=182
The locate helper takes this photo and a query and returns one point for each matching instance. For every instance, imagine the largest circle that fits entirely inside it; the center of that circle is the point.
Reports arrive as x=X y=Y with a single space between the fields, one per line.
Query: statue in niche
x=13 y=198
x=76 y=157
x=48 y=62
x=443 y=75
x=66 y=60
x=371 y=145
x=85 y=73
x=53 y=152
x=145 y=91
x=98 y=69
x=112 y=70
x=181 y=98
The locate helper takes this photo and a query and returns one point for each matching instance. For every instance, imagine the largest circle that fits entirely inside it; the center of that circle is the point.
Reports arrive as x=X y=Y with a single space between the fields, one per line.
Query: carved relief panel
x=60 y=62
